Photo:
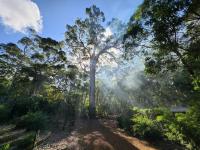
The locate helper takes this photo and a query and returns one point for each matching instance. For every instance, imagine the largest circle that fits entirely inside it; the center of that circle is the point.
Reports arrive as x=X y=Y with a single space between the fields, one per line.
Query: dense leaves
x=160 y=123
x=163 y=29
x=36 y=80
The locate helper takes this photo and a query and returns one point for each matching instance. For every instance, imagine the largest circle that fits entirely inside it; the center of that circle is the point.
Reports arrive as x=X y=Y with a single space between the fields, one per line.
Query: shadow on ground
x=94 y=135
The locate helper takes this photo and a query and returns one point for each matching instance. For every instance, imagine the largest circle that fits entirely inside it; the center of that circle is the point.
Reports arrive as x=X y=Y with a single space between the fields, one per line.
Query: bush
x=5 y=112
x=145 y=128
x=5 y=147
x=185 y=129
x=160 y=123
x=125 y=122
x=144 y=125
x=28 y=142
x=33 y=121
x=24 y=105
x=138 y=123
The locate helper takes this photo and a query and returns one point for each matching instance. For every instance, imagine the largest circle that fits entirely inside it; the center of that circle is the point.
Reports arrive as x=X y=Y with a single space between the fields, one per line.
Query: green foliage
x=23 y=105
x=27 y=142
x=5 y=113
x=185 y=128
x=4 y=85
x=140 y=123
x=145 y=125
x=159 y=123
x=167 y=34
x=33 y=121
x=35 y=80
x=5 y=147
x=125 y=122
x=196 y=83
x=171 y=39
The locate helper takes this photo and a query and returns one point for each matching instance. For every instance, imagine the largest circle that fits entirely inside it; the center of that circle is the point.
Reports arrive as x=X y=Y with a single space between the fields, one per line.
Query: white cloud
x=20 y=15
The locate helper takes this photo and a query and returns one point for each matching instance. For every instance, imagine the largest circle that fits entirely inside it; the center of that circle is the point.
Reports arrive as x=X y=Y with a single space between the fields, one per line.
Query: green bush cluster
x=33 y=121
x=125 y=122
x=28 y=142
x=161 y=124
x=34 y=112
x=5 y=147
x=145 y=127
x=25 y=143
x=28 y=112
x=23 y=105
x=184 y=129
x=5 y=113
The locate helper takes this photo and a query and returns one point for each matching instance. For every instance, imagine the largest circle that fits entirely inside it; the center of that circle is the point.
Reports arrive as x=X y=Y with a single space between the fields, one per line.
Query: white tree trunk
x=92 y=107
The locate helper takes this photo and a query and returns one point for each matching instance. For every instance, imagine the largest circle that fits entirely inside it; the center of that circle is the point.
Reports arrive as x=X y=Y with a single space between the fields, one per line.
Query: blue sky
x=53 y=15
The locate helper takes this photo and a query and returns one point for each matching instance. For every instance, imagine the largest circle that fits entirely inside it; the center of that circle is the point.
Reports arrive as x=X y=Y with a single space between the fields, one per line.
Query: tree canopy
x=168 y=32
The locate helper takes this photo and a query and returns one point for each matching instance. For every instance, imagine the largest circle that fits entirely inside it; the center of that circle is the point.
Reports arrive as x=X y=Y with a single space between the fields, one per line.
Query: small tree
x=87 y=41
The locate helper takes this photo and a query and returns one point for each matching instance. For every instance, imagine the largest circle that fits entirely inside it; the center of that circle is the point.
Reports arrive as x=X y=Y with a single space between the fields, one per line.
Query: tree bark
x=92 y=107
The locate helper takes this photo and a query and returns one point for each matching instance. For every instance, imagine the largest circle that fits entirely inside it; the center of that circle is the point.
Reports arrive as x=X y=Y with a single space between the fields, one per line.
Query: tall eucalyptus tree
x=88 y=41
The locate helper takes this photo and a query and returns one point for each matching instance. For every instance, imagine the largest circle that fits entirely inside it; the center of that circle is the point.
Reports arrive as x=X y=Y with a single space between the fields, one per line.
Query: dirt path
x=94 y=135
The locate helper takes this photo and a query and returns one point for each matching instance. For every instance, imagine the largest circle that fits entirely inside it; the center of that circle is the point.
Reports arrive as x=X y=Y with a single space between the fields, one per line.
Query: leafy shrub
x=125 y=122
x=144 y=124
x=28 y=142
x=5 y=112
x=5 y=147
x=25 y=105
x=25 y=143
x=160 y=123
x=138 y=122
x=145 y=128
x=33 y=121
x=185 y=129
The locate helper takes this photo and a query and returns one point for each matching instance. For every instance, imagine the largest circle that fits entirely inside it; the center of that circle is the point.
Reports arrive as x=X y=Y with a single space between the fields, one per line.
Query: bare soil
x=97 y=135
